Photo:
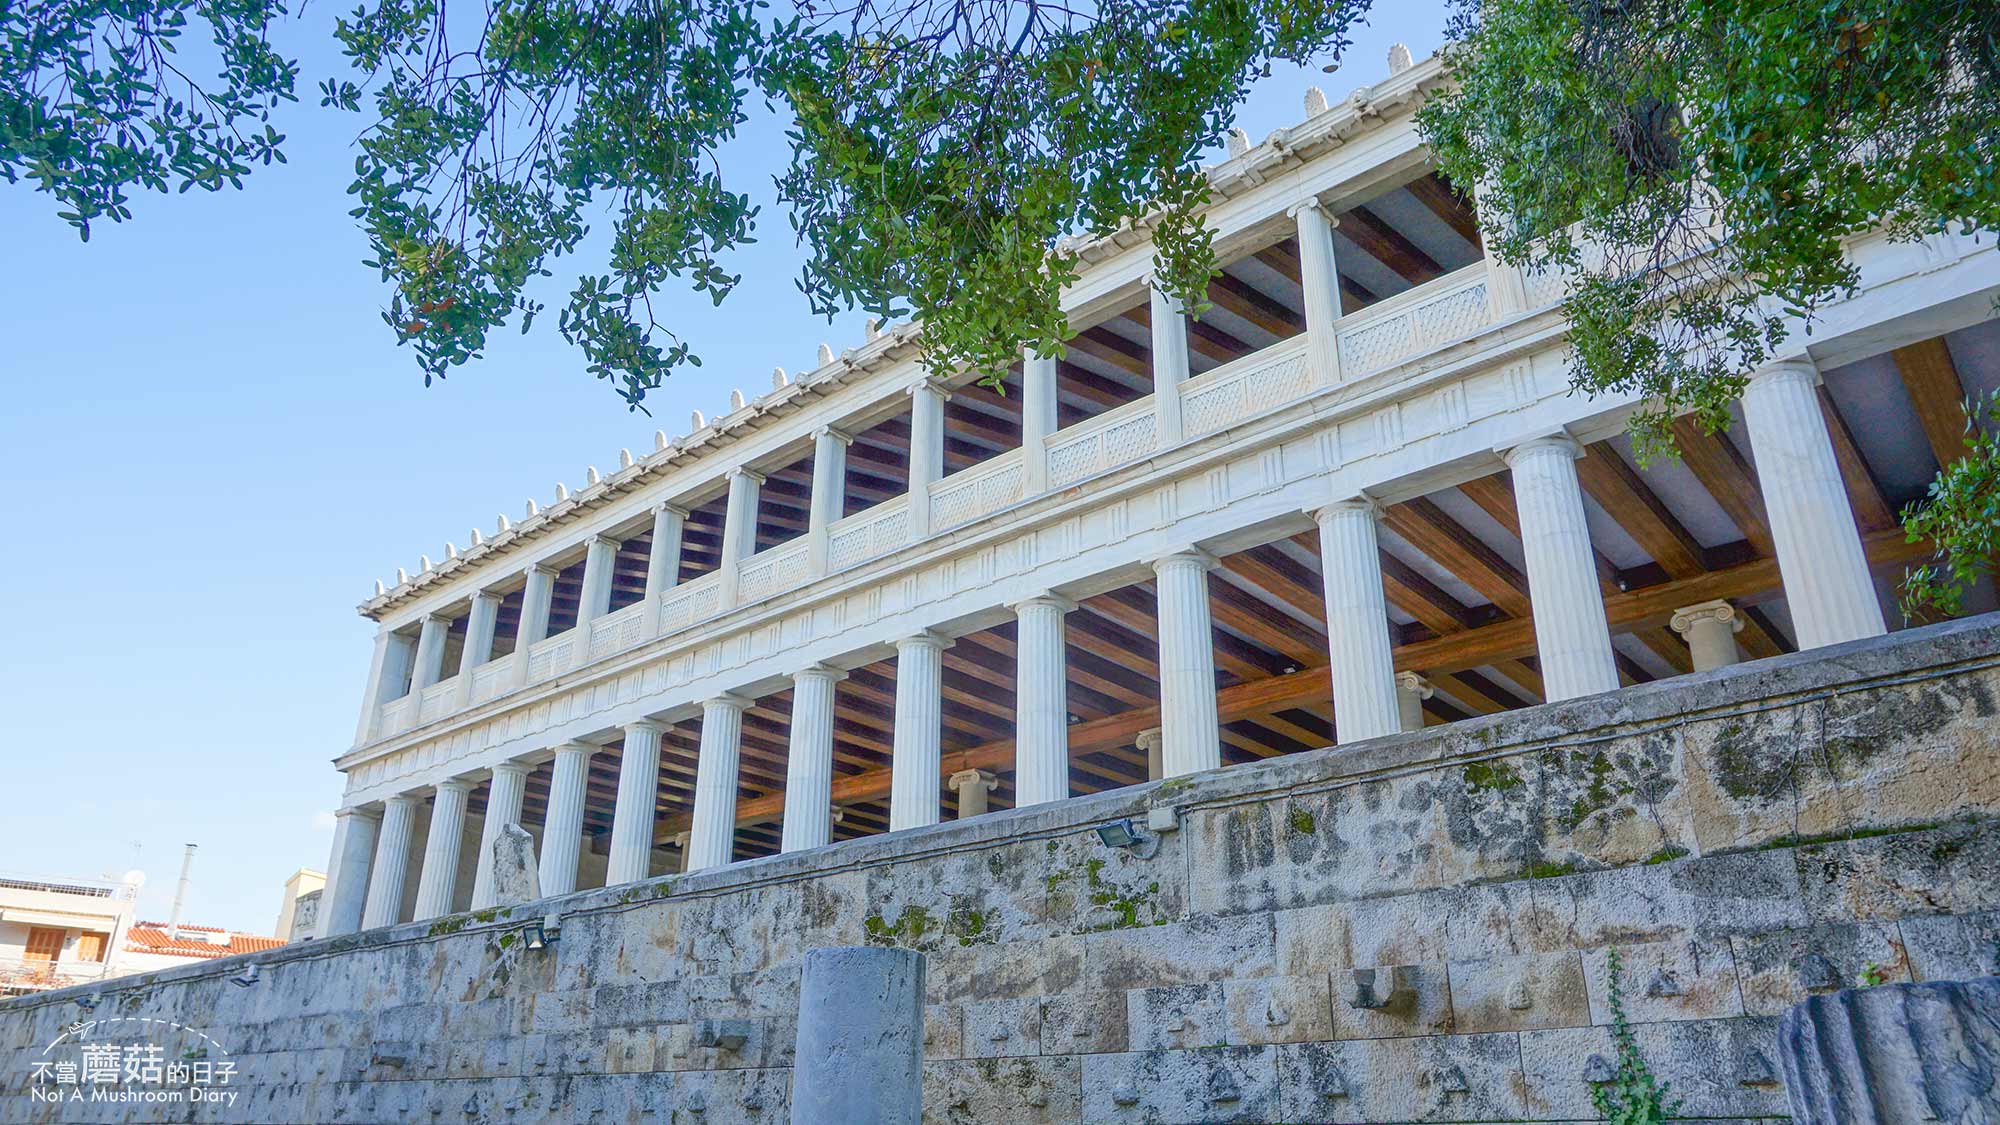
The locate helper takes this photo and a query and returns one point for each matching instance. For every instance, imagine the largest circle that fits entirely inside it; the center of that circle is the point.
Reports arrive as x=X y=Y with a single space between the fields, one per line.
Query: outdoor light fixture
x=1120 y=833
x=89 y=1002
x=543 y=934
x=247 y=978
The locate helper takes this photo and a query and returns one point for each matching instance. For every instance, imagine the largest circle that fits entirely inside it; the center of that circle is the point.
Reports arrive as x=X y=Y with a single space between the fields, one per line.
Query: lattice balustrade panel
x=1131 y=439
x=616 y=632
x=691 y=602
x=549 y=658
x=1246 y=394
x=871 y=534
x=985 y=492
x=1375 y=346
x=774 y=571
x=489 y=680
x=395 y=715
x=1451 y=317
x=439 y=700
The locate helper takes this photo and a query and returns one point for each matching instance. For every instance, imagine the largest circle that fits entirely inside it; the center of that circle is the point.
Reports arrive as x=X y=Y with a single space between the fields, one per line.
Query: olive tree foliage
x=1692 y=166
x=940 y=151
x=97 y=99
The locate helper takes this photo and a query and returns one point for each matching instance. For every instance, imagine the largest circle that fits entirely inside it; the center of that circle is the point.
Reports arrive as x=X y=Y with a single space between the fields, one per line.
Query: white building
x=298 y=913
x=59 y=932
x=1356 y=495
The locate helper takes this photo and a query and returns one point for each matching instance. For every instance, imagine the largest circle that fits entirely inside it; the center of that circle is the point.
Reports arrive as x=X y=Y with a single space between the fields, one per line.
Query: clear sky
x=210 y=448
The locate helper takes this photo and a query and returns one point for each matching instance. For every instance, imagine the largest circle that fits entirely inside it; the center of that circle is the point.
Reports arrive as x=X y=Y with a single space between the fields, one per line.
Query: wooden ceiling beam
x=1728 y=480
x=1871 y=511
x=1626 y=497
x=1444 y=541
x=1455 y=211
x=1939 y=397
x=1388 y=246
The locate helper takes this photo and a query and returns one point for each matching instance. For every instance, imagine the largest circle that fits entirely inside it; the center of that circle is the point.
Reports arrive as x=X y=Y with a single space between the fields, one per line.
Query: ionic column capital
x=1312 y=203
x=545 y=569
x=1556 y=441
x=927 y=383
x=836 y=434
x=669 y=506
x=1415 y=685
x=1687 y=617
x=964 y=778
x=1150 y=739
x=743 y=471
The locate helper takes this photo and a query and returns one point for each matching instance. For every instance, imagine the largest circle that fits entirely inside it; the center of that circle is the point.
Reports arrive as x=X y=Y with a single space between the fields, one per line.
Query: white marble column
x=1152 y=743
x=430 y=653
x=1041 y=701
x=504 y=794
x=438 y=882
x=1411 y=691
x=973 y=788
x=1187 y=664
x=739 y=529
x=1170 y=364
x=1710 y=629
x=680 y=843
x=536 y=601
x=1828 y=589
x=391 y=866
x=562 y=828
x=809 y=760
x=387 y=670
x=1572 y=636
x=638 y=800
x=919 y=733
x=829 y=493
x=346 y=891
x=927 y=401
x=1038 y=420
x=478 y=641
x=1319 y=278
x=713 y=839
x=663 y=561
x=1357 y=622
x=600 y=560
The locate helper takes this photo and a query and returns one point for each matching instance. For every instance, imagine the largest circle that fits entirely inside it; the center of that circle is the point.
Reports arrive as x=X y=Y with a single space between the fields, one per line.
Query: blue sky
x=211 y=448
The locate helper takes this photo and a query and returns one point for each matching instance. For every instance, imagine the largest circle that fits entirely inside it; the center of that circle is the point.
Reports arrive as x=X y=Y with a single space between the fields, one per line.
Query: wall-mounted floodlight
x=246 y=978
x=543 y=934
x=1122 y=833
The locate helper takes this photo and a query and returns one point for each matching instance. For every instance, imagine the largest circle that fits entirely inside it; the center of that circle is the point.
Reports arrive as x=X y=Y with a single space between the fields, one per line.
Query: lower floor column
x=1572 y=634
x=919 y=735
x=391 y=866
x=638 y=800
x=438 y=884
x=1411 y=691
x=562 y=828
x=346 y=893
x=1365 y=704
x=503 y=807
x=1041 y=702
x=809 y=761
x=1188 y=718
x=972 y=787
x=712 y=842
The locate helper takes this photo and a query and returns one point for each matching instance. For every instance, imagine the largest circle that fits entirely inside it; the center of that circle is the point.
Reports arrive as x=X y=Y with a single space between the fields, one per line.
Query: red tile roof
x=151 y=937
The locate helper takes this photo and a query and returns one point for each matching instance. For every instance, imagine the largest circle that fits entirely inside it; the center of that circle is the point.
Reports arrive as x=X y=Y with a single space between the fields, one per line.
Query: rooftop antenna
x=180 y=895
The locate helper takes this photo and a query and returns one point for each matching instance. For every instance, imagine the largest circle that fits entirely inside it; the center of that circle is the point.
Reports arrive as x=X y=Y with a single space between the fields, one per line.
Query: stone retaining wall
x=1411 y=929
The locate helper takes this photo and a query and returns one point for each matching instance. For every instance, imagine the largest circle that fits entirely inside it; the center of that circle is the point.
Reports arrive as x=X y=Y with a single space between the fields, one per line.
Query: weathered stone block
x=944 y=1031
x=1203 y=948
x=1176 y=1018
x=1212 y=1085
x=1953 y=868
x=1614 y=804
x=1444 y=1078
x=1091 y=888
x=1400 y=930
x=1689 y=979
x=1015 y=1091
x=1515 y=993
x=629 y=1050
x=1413 y=1000
x=1780 y=969
x=1002 y=1028
x=1082 y=1023
x=1713 y=1068
x=1277 y=1010
x=1941 y=947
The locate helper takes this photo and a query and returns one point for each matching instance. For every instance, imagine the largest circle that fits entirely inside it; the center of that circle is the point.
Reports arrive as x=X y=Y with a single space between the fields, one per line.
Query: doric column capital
x=927 y=639
x=461 y=784
x=1150 y=739
x=1184 y=557
x=1687 y=617
x=1362 y=504
x=1045 y=598
x=822 y=672
x=652 y=726
x=835 y=433
x=578 y=749
x=400 y=800
x=727 y=700
x=1796 y=369
x=964 y=778
x=358 y=812
x=512 y=768
x=1555 y=441
x=1415 y=685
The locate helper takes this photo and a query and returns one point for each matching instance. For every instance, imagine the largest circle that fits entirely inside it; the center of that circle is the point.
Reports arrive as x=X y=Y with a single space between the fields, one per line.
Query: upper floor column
x=739 y=529
x=346 y=891
x=479 y=628
x=536 y=600
x=600 y=560
x=1170 y=364
x=829 y=493
x=663 y=563
x=430 y=652
x=1572 y=635
x=1820 y=558
x=1319 y=279
x=1038 y=420
x=387 y=669
x=927 y=399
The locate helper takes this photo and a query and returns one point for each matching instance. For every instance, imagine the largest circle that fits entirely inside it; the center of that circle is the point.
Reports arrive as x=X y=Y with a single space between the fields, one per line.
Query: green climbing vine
x=1634 y=1095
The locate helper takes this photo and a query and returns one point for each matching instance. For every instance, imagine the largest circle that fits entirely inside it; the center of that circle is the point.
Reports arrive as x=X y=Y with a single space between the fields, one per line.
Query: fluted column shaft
x=1041 y=721
x=562 y=829
x=829 y=493
x=663 y=560
x=1170 y=364
x=919 y=735
x=386 y=672
x=438 y=883
x=1038 y=420
x=927 y=401
x=809 y=760
x=638 y=799
x=714 y=832
x=1365 y=704
x=346 y=892
x=1319 y=278
x=536 y=600
x=430 y=652
x=391 y=866
x=1820 y=558
x=1572 y=636
x=739 y=529
x=503 y=807
x=478 y=640
x=599 y=560
x=1188 y=718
